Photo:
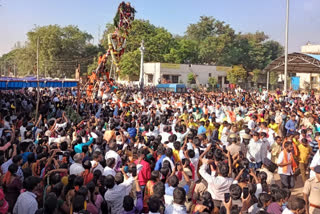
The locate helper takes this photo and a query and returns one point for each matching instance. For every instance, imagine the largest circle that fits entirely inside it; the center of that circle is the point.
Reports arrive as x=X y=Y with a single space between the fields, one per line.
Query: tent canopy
x=297 y=63
x=10 y=83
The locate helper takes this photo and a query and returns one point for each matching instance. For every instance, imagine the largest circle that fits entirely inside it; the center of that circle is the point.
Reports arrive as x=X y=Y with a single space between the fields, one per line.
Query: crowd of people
x=159 y=152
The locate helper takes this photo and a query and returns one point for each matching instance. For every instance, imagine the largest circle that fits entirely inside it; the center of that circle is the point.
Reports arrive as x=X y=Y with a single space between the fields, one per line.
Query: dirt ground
x=297 y=191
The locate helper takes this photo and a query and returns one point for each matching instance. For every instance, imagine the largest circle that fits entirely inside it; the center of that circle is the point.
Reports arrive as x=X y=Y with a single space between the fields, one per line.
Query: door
x=295 y=83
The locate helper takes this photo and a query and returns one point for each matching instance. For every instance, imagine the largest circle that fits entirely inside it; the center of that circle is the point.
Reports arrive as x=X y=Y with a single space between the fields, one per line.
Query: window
x=175 y=79
x=209 y=74
x=314 y=79
x=150 y=78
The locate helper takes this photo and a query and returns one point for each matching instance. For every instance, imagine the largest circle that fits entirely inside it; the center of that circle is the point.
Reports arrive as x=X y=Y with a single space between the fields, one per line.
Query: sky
x=17 y=17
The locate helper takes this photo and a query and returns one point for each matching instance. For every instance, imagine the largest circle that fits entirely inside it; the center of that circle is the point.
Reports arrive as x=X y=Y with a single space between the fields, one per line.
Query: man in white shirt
x=217 y=185
x=108 y=170
x=285 y=166
x=113 y=154
x=315 y=162
x=27 y=201
x=179 y=198
x=252 y=125
x=95 y=163
x=76 y=168
x=116 y=193
x=254 y=152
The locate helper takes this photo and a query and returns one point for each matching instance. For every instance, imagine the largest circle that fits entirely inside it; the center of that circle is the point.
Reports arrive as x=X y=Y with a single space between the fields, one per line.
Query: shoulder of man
x=311 y=179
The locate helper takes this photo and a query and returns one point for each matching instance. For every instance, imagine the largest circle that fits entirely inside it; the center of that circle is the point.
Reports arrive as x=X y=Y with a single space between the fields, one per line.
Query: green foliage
x=191 y=78
x=273 y=78
x=209 y=41
x=60 y=48
x=157 y=41
x=213 y=82
x=186 y=51
x=130 y=66
x=236 y=74
x=256 y=74
x=207 y=27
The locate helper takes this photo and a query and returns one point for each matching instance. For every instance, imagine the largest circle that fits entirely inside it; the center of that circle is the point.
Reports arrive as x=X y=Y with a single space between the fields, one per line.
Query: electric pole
x=141 y=80
x=286 y=51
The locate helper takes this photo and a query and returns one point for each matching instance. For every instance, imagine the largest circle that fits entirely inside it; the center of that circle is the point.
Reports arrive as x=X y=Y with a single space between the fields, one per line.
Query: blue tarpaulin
x=11 y=83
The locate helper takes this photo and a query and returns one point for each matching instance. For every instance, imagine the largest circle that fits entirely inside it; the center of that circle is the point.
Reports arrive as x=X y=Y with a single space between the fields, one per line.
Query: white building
x=155 y=73
x=308 y=81
x=310 y=49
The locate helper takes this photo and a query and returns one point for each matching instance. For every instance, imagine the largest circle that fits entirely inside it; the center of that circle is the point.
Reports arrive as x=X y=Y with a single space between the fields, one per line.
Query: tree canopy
x=60 y=51
x=208 y=41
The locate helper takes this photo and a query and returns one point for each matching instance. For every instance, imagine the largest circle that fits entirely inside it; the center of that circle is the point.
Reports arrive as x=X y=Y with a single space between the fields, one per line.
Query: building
x=308 y=81
x=310 y=49
x=155 y=73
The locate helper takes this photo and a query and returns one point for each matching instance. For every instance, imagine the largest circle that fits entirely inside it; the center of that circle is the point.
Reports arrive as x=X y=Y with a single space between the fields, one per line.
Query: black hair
x=128 y=203
x=297 y=204
x=235 y=191
x=154 y=204
x=263 y=199
x=179 y=195
x=173 y=181
x=13 y=168
x=159 y=189
x=31 y=182
x=223 y=169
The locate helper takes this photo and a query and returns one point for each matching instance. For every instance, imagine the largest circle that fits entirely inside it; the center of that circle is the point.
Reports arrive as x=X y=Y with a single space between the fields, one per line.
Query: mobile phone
x=226 y=197
x=245 y=192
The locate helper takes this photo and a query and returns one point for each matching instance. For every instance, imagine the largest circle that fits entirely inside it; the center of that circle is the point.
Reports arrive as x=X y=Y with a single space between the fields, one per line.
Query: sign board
x=170 y=65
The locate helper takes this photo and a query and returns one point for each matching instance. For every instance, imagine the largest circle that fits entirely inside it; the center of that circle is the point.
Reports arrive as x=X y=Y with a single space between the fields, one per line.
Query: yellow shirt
x=176 y=155
x=209 y=129
x=220 y=131
x=304 y=152
x=203 y=119
x=297 y=142
x=274 y=127
x=193 y=124
x=184 y=116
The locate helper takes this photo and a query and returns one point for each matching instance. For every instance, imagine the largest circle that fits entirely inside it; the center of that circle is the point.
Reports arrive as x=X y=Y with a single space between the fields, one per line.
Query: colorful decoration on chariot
x=117 y=40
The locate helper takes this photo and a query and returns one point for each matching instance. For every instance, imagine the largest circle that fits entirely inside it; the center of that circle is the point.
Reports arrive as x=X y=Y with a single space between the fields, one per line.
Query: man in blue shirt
x=291 y=125
x=201 y=129
x=161 y=156
x=78 y=147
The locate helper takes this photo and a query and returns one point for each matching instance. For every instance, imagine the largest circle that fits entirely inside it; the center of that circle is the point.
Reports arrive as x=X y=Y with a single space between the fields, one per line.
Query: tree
x=256 y=75
x=157 y=41
x=130 y=65
x=60 y=51
x=207 y=27
x=191 y=78
x=213 y=82
x=273 y=78
x=236 y=74
x=186 y=51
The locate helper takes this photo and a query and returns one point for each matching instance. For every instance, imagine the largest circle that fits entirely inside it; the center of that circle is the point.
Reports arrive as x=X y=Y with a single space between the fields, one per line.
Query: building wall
x=310 y=49
x=307 y=79
x=203 y=72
